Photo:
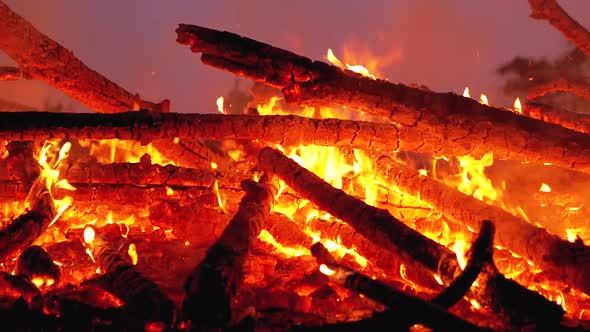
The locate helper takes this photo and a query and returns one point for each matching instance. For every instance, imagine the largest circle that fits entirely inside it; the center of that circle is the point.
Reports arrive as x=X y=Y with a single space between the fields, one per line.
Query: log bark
x=9 y=73
x=440 y=123
x=142 y=296
x=410 y=310
x=40 y=58
x=22 y=231
x=551 y=11
x=580 y=89
x=212 y=285
x=379 y=226
x=146 y=126
x=564 y=260
x=575 y=121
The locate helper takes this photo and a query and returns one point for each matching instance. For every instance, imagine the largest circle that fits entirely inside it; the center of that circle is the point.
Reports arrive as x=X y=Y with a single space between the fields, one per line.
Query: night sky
x=445 y=45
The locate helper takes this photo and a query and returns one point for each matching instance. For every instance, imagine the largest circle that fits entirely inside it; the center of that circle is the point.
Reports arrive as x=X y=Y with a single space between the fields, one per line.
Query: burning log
x=557 y=256
x=409 y=309
x=35 y=264
x=19 y=285
x=146 y=126
x=9 y=73
x=440 y=123
x=384 y=230
x=551 y=11
x=23 y=230
x=580 y=89
x=575 y=121
x=141 y=295
x=211 y=287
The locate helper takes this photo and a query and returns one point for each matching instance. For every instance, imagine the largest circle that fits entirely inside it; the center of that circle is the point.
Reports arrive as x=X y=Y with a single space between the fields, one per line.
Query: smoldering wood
x=145 y=126
x=581 y=89
x=377 y=225
x=27 y=227
x=440 y=123
x=35 y=262
x=575 y=121
x=409 y=309
x=564 y=260
x=9 y=73
x=142 y=296
x=211 y=286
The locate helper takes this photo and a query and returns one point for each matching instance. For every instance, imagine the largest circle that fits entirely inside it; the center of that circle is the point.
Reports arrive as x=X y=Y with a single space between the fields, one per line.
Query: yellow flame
x=460 y=249
x=359 y=69
x=466 y=93
x=545 y=188
x=219 y=103
x=132 y=252
x=517 y=106
x=108 y=151
x=484 y=99
x=89 y=234
x=265 y=236
x=326 y=270
x=219 y=199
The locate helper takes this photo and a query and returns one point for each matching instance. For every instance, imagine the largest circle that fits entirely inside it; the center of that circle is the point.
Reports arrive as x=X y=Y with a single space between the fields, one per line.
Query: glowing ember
x=132 y=252
x=545 y=188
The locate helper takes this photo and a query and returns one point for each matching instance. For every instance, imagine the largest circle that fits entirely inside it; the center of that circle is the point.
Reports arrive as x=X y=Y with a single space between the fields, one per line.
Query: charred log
x=146 y=126
x=35 y=264
x=384 y=230
x=23 y=230
x=575 y=121
x=142 y=296
x=411 y=310
x=211 y=287
x=9 y=73
x=441 y=123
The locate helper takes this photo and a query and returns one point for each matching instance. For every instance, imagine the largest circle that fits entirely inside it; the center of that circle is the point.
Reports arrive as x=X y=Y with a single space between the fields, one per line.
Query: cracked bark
x=442 y=123
x=579 y=122
x=146 y=126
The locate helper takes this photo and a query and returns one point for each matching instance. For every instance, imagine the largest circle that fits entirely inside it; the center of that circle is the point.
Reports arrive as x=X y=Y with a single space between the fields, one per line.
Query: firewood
x=21 y=286
x=211 y=286
x=411 y=310
x=565 y=260
x=142 y=296
x=35 y=264
x=575 y=121
x=146 y=126
x=581 y=89
x=551 y=11
x=9 y=73
x=27 y=227
x=40 y=58
x=440 y=123
x=384 y=230
x=480 y=254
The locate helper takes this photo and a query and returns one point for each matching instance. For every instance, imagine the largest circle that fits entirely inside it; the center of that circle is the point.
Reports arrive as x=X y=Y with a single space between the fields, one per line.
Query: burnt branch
x=408 y=309
x=440 y=123
x=380 y=227
x=142 y=296
x=575 y=121
x=564 y=259
x=481 y=254
x=581 y=89
x=551 y=11
x=9 y=74
x=213 y=284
